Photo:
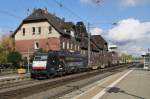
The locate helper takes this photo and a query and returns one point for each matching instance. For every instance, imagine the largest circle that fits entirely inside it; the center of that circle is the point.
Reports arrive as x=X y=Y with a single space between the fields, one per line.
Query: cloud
x=85 y=1
x=133 y=49
x=96 y=31
x=90 y=1
x=129 y=30
x=125 y=3
x=132 y=2
x=130 y=35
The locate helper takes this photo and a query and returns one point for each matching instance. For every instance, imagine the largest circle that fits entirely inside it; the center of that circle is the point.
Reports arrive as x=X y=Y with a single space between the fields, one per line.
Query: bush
x=15 y=58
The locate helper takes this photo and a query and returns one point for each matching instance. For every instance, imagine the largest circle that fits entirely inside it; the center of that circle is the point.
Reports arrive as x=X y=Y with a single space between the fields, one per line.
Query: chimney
x=34 y=9
x=45 y=10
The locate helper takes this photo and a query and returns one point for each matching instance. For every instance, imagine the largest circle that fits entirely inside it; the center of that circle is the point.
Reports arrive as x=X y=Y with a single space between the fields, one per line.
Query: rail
x=32 y=88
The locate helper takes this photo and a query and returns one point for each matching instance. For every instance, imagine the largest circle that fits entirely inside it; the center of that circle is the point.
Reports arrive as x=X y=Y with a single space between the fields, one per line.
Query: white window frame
x=63 y=45
x=35 y=45
x=78 y=48
x=71 y=46
x=23 y=31
x=67 y=45
x=49 y=29
x=75 y=47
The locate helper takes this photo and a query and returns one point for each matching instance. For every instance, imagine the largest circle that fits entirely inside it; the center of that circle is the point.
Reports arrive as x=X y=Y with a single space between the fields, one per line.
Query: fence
x=8 y=71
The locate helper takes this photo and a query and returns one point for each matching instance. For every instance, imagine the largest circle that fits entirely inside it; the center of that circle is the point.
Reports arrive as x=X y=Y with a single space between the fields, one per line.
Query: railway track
x=33 y=88
x=16 y=83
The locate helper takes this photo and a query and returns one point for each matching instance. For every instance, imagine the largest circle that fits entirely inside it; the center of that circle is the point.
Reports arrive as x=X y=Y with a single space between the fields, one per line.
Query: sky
x=125 y=23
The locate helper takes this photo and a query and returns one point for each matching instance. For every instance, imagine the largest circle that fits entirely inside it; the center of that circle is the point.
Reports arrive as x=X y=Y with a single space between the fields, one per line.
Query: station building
x=46 y=31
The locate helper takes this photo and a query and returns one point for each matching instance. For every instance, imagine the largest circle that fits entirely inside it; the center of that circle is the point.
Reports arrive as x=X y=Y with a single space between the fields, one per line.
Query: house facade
x=46 y=31
x=42 y=30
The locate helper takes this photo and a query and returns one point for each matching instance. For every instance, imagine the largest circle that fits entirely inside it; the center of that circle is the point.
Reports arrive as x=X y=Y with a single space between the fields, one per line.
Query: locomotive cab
x=39 y=66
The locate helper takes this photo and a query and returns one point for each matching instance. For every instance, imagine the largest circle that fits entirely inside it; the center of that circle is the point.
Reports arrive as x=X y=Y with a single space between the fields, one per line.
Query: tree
x=125 y=58
x=6 y=46
x=3 y=54
x=14 y=58
x=8 y=42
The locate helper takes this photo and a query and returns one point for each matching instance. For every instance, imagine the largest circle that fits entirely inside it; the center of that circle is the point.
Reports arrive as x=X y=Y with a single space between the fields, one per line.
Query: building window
x=68 y=45
x=75 y=47
x=78 y=48
x=63 y=45
x=83 y=52
x=68 y=31
x=71 y=46
x=33 y=30
x=24 y=31
x=50 y=29
x=36 y=45
x=39 y=29
x=72 y=33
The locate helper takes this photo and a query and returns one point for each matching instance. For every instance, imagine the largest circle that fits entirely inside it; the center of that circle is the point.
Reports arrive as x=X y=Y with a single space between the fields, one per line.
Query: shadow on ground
x=118 y=90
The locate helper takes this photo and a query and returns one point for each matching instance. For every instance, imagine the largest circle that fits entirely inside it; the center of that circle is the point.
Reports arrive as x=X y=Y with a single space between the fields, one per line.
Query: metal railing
x=8 y=71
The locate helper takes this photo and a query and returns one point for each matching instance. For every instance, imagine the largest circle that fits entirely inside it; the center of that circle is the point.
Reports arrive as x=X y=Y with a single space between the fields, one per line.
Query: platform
x=129 y=84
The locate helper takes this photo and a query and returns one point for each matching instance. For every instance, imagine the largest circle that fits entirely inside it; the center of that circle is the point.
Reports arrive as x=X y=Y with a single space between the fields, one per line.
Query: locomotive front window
x=40 y=58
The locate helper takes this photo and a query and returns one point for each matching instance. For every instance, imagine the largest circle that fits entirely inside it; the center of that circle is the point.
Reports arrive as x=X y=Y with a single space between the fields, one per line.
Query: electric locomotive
x=57 y=63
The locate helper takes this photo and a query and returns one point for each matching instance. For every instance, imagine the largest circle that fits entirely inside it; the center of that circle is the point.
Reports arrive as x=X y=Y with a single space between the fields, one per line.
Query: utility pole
x=28 y=60
x=89 y=45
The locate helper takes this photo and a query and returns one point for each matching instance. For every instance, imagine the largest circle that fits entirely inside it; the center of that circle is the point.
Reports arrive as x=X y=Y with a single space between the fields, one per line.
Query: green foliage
x=3 y=54
x=14 y=57
x=3 y=57
x=6 y=46
x=126 y=58
x=25 y=60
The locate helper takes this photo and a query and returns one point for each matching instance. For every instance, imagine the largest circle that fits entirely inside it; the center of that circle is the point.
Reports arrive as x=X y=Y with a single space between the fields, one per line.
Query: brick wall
x=46 y=44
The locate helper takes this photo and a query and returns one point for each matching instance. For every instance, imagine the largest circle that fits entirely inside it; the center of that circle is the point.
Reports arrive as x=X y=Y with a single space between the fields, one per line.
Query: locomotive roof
x=64 y=53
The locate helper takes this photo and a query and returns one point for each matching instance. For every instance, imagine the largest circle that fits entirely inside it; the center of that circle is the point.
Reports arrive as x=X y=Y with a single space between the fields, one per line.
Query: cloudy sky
x=125 y=23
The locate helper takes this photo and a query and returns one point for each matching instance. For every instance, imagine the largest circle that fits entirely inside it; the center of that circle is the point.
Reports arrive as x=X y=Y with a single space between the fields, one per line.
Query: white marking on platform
x=100 y=94
x=99 y=84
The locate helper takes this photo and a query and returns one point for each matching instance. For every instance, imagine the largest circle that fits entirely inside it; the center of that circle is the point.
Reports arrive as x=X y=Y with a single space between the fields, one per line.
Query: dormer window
x=24 y=31
x=68 y=31
x=72 y=33
x=33 y=30
x=64 y=30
